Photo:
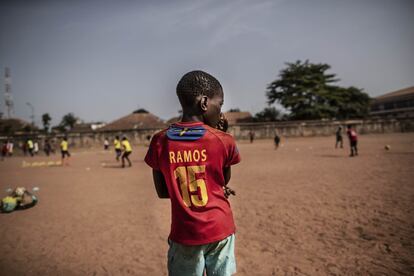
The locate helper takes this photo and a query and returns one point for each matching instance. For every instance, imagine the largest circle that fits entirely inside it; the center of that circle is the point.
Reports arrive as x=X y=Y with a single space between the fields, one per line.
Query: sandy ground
x=305 y=209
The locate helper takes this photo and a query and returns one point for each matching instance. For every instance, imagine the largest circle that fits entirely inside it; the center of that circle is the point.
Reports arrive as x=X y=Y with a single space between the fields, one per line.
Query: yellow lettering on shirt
x=196 y=156
x=187 y=156
x=172 y=157
x=203 y=155
x=179 y=158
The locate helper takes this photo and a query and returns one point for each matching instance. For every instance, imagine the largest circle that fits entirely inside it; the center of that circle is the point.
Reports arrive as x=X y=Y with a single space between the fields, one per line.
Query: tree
x=46 y=121
x=268 y=114
x=307 y=91
x=68 y=121
x=350 y=103
x=234 y=109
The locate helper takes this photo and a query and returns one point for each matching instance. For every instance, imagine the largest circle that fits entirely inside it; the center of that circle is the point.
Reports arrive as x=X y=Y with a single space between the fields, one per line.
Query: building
x=397 y=104
x=235 y=117
x=138 y=120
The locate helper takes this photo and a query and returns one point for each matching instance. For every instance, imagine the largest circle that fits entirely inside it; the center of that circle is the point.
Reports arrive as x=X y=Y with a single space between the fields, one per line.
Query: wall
x=319 y=128
x=240 y=131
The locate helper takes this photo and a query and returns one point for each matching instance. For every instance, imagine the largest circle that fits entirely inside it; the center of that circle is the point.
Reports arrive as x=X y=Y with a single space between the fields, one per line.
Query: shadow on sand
x=333 y=156
x=112 y=167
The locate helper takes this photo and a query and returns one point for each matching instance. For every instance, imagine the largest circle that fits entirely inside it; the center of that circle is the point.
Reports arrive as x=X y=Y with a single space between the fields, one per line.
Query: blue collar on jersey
x=181 y=133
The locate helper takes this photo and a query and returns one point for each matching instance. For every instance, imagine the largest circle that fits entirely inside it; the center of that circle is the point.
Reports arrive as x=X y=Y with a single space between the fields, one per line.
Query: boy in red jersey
x=191 y=165
x=353 y=140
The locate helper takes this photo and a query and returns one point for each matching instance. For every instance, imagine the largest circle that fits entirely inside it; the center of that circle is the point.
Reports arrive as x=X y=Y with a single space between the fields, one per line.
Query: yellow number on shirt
x=191 y=185
x=181 y=174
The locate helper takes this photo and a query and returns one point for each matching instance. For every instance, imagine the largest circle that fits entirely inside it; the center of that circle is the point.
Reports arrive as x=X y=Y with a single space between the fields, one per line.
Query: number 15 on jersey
x=190 y=185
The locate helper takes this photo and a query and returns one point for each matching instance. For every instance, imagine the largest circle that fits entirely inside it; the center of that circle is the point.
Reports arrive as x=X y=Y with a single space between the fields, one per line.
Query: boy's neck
x=191 y=118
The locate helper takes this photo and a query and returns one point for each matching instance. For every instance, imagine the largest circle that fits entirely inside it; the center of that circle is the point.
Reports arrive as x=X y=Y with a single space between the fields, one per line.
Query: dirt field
x=305 y=209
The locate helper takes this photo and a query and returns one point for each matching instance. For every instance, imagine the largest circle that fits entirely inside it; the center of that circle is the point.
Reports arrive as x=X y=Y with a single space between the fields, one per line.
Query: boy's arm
x=160 y=184
x=227 y=175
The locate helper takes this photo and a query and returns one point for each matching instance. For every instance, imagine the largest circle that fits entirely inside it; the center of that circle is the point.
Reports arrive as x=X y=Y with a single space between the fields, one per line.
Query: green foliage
x=46 y=121
x=307 y=91
x=68 y=121
x=350 y=103
x=268 y=114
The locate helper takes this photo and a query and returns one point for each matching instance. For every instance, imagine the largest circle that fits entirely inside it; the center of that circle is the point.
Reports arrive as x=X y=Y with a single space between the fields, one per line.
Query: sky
x=104 y=59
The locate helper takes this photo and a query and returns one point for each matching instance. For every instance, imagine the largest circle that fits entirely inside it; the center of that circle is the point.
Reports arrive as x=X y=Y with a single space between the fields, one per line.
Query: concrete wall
x=319 y=128
x=240 y=131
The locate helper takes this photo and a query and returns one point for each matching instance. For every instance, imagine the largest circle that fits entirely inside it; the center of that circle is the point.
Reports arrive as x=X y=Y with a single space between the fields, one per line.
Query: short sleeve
x=233 y=155
x=151 y=158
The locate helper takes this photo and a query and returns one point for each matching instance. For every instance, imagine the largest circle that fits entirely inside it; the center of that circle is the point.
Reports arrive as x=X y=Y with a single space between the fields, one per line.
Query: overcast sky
x=103 y=59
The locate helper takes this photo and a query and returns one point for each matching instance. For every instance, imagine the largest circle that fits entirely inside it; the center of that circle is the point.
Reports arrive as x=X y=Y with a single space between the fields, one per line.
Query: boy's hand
x=223 y=124
x=228 y=191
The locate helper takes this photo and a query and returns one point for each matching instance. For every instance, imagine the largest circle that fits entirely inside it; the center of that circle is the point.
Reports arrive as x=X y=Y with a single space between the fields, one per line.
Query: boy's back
x=191 y=156
x=191 y=164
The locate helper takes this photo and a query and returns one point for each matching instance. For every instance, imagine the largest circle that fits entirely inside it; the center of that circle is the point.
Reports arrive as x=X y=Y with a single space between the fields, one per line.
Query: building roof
x=399 y=93
x=135 y=121
x=238 y=117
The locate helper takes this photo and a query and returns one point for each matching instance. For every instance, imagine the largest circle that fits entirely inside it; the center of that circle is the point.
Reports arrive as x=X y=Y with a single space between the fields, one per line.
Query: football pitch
x=303 y=209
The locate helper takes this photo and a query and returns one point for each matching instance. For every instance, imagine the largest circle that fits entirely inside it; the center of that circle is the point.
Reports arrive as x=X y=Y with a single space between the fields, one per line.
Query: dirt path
x=305 y=209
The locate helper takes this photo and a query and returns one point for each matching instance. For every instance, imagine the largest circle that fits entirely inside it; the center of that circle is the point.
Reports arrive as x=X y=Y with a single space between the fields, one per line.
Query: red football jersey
x=352 y=135
x=191 y=156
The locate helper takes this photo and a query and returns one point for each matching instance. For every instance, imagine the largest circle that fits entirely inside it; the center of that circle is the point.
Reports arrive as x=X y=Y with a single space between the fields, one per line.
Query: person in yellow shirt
x=30 y=147
x=64 y=148
x=117 y=145
x=127 y=150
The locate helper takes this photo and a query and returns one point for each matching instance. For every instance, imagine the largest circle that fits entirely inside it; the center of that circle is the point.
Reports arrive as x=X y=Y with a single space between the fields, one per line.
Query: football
x=20 y=191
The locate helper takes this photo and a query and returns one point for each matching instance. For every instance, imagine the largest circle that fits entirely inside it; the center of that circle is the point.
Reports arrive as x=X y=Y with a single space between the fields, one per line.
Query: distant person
x=251 y=136
x=127 y=150
x=10 y=148
x=47 y=147
x=106 y=144
x=277 y=141
x=353 y=140
x=36 y=147
x=30 y=147
x=191 y=163
x=118 y=148
x=23 y=146
x=53 y=146
x=3 y=150
x=339 y=140
x=64 y=149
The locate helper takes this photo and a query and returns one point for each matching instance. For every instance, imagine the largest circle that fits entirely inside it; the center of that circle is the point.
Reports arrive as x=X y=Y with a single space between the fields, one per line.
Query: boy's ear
x=204 y=103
